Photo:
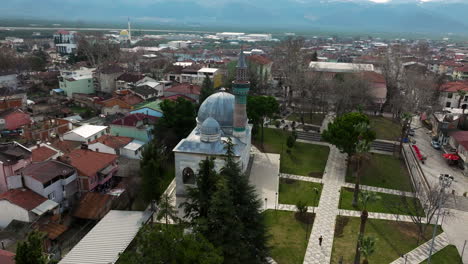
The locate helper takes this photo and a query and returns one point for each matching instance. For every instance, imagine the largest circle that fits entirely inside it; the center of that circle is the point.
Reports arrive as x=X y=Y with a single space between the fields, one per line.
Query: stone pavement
x=324 y=223
x=300 y=178
x=379 y=189
x=421 y=253
x=383 y=216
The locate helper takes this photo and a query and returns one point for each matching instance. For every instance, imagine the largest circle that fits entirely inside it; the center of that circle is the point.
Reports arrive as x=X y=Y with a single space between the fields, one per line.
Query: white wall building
x=85 y=133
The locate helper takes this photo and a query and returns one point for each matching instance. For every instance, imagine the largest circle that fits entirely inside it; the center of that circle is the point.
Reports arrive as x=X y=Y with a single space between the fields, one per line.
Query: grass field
x=288 y=237
x=393 y=239
x=293 y=191
x=388 y=203
x=315 y=119
x=448 y=255
x=385 y=128
x=304 y=159
x=383 y=171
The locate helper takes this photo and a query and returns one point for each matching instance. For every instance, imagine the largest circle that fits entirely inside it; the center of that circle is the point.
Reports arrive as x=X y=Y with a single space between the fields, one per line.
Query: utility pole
x=445 y=181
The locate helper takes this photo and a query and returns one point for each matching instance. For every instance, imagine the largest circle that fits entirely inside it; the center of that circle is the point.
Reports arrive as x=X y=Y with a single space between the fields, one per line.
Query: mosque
x=221 y=116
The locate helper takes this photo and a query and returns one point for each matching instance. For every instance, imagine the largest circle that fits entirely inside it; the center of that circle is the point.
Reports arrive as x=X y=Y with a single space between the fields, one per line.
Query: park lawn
x=305 y=159
x=393 y=239
x=315 y=119
x=288 y=237
x=385 y=128
x=388 y=203
x=384 y=171
x=293 y=191
x=447 y=255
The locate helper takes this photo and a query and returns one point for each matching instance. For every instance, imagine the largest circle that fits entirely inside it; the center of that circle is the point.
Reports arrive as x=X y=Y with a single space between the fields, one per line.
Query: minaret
x=129 y=30
x=240 y=88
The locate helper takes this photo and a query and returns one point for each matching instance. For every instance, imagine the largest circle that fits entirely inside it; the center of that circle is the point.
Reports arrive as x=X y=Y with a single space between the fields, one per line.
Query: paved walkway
x=372 y=215
x=379 y=189
x=421 y=253
x=324 y=224
x=300 y=178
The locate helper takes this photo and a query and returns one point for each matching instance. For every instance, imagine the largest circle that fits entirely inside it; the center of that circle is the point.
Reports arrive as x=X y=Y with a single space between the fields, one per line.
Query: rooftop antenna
x=129 y=29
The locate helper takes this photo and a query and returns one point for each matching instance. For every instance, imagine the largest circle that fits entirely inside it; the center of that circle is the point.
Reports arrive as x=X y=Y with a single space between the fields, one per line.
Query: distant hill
x=396 y=16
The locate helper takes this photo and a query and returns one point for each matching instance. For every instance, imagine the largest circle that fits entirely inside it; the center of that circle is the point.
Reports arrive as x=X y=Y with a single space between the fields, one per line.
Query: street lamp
x=266 y=199
x=445 y=181
x=276 y=200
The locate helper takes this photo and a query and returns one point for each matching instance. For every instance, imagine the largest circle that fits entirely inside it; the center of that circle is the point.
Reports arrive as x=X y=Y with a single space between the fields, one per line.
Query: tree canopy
x=30 y=251
x=156 y=245
x=151 y=171
x=206 y=89
x=345 y=132
x=259 y=108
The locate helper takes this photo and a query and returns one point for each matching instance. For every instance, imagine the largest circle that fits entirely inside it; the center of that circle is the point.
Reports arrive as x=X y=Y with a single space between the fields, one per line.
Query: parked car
x=435 y=144
x=411 y=132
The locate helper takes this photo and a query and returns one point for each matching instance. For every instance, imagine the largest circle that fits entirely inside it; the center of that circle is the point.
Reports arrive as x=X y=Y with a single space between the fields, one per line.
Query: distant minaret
x=129 y=30
x=240 y=88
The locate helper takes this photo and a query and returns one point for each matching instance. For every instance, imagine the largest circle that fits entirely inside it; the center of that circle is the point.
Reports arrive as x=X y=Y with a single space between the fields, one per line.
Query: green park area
x=383 y=171
x=393 y=239
x=385 y=203
x=313 y=119
x=303 y=159
x=385 y=128
x=288 y=236
x=448 y=255
x=293 y=191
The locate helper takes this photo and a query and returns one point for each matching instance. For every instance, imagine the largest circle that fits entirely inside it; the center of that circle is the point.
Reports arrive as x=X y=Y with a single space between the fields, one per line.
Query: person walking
x=320 y=240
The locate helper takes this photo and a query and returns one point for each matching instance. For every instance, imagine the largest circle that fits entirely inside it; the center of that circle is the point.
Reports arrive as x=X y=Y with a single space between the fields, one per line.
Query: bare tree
x=97 y=49
x=350 y=92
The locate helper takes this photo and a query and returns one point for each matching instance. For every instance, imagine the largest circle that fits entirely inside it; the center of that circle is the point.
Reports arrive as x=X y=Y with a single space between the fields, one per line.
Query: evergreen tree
x=30 y=251
x=206 y=89
x=155 y=245
x=152 y=171
x=247 y=207
x=198 y=204
x=166 y=209
x=314 y=56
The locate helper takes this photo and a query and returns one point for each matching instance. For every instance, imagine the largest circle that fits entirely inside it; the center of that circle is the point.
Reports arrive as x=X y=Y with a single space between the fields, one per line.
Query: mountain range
x=344 y=15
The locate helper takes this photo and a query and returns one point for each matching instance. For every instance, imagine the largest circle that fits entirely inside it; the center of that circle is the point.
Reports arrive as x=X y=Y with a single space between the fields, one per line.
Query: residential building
x=47 y=129
x=133 y=150
x=85 y=133
x=95 y=169
x=145 y=92
x=105 y=78
x=262 y=65
x=138 y=126
x=77 y=81
x=23 y=205
x=53 y=180
x=128 y=80
x=449 y=96
x=43 y=152
x=109 y=144
x=149 y=108
x=458 y=143
x=65 y=41
x=186 y=89
x=339 y=67
x=12 y=120
x=461 y=73
x=13 y=157
x=115 y=105
x=9 y=102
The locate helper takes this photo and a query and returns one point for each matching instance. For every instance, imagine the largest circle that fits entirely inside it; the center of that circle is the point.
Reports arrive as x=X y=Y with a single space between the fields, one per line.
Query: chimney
x=191 y=88
x=84 y=146
x=97 y=149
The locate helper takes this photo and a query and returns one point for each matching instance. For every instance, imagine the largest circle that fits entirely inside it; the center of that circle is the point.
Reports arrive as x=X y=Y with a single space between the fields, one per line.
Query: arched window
x=188 y=177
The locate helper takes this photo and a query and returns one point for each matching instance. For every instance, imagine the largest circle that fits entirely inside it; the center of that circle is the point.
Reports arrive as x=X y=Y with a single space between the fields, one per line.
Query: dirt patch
x=307 y=218
x=341 y=223
x=316 y=174
x=407 y=229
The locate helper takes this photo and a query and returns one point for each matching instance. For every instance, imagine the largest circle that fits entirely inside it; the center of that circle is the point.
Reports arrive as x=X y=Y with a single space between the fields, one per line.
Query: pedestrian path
x=373 y=215
x=293 y=208
x=324 y=223
x=421 y=253
x=379 y=189
x=300 y=178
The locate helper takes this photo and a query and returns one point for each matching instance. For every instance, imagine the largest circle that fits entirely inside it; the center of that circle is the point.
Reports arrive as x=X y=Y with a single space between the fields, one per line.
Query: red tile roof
x=88 y=162
x=24 y=198
x=7 y=257
x=116 y=102
x=47 y=170
x=373 y=77
x=454 y=86
x=185 y=88
x=133 y=119
x=130 y=77
x=461 y=137
x=93 y=206
x=259 y=59
x=53 y=230
x=131 y=99
x=42 y=153
x=177 y=96
x=463 y=68
x=66 y=145
x=115 y=142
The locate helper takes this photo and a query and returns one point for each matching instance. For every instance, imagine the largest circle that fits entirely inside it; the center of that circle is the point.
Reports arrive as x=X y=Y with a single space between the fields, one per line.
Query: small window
x=51 y=196
x=449 y=95
x=448 y=104
x=188 y=177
